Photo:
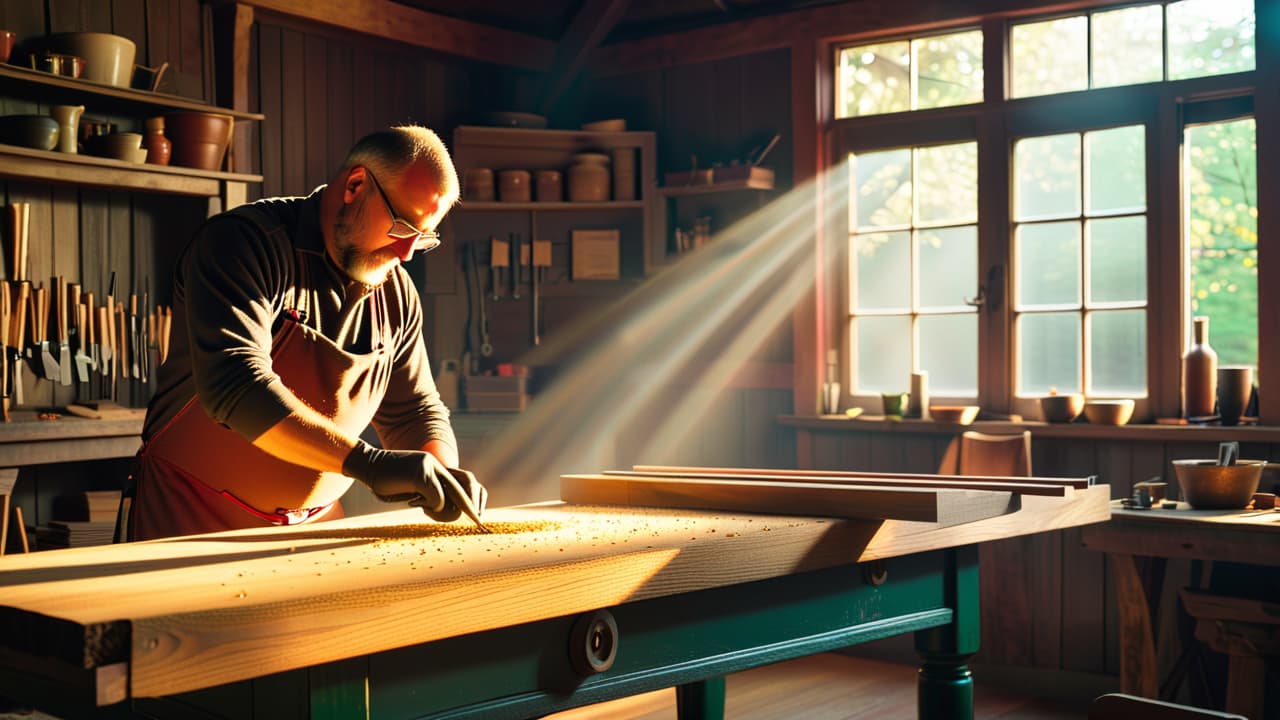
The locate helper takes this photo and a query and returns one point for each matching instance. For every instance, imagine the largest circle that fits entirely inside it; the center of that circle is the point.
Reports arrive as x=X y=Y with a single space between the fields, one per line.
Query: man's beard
x=370 y=268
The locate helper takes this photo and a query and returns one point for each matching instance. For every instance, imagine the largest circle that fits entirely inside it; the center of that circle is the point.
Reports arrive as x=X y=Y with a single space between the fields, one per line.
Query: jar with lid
x=513 y=186
x=589 y=178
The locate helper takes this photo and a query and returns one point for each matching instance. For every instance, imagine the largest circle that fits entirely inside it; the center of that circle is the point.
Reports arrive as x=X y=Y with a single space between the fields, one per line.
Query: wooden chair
x=1118 y=706
x=975 y=453
x=1005 y=567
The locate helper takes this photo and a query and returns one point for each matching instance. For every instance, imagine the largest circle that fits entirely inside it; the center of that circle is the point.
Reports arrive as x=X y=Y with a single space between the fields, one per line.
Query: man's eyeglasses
x=401 y=229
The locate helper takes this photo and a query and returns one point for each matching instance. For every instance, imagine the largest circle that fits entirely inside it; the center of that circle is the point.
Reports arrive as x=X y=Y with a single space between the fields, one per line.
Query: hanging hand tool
x=515 y=265
x=106 y=332
x=94 y=337
x=498 y=258
x=539 y=258
x=61 y=317
x=4 y=349
x=486 y=349
x=75 y=331
x=135 y=368
x=18 y=331
x=52 y=370
x=145 y=332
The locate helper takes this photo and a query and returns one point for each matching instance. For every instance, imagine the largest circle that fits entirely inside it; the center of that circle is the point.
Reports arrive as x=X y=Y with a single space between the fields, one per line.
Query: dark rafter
x=588 y=28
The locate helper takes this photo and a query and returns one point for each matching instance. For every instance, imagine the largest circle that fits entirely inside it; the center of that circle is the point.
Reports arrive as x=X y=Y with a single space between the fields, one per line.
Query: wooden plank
x=392 y=21
x=292 y=113
x=589 y=27
x=944 y=507
x=870 y=480
x=101 y=98
x=315 y=127
x=341 y=132
x=189 y=37
x=691 y=471
x=1267 y=115
x=270 y=82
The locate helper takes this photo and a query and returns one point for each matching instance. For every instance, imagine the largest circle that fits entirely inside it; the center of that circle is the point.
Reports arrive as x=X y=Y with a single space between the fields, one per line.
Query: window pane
x=1048 y=257
x=949 y=353
x=1222 y=235
x=948 y=267
x=875 y=79
x=949 y=69
x=1118 y=353
x=1128 y=46
x=882 y=268
x=883 y=188
x=883 y=354
x=947 y=184
x=1048 y=353
x=1117 y=163
x=1117 y=259
x=1050 y=57
x=1210 y=37
x=1047 y=177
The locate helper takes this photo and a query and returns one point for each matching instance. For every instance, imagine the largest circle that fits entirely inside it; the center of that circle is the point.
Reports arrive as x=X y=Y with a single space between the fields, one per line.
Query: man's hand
x=418 y=477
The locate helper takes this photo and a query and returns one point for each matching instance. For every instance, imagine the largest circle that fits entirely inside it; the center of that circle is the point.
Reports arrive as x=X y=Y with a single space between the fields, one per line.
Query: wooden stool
x=1248 y=632
x=8 y=477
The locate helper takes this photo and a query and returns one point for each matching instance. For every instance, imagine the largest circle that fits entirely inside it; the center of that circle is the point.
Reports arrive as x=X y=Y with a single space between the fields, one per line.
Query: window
x=913 y=257
x=1125 y=46
x=1092 y=203
x=1080 y=234
x=1221 y=202
x=916 y=74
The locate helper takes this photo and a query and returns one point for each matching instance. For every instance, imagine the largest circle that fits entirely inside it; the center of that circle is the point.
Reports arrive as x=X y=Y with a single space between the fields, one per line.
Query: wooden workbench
x=110 y=627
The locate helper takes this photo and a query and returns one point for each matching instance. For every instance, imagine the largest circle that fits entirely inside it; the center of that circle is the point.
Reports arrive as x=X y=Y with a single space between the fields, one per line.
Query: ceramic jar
x=157 y=145
x=548 y=186
x=513 y=186
x=477 y=185
x=589 y=178
x=1199 y=372
x=68 y=118
x=624 y=174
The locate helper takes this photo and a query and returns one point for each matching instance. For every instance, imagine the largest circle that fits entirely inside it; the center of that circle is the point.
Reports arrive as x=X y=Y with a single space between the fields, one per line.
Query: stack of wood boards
x=496 y=393
x=81 y=519
x=941 y=499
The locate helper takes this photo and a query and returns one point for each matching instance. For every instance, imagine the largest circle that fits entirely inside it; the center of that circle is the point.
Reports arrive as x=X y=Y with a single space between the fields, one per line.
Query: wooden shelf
x=550 y=206
x=716 y=187
x=58 y=89
x=26 y=440
x=571 y=140
x=1077 y=430
x=56 y=167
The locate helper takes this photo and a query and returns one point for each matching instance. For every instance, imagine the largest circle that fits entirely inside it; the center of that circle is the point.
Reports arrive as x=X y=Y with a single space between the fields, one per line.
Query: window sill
x=1076 y=430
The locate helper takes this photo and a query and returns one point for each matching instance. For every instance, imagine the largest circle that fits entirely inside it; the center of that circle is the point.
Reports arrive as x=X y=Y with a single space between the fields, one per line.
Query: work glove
x=414 y=476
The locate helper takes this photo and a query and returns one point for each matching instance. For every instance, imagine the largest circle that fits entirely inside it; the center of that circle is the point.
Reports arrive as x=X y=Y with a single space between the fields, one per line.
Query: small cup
x=549 y=186
x=894 y=403
x=1235 y=383
x=477 y=185
x=513 y=186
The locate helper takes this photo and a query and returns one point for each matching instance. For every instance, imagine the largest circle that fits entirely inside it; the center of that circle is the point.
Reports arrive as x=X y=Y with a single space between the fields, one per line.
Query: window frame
x=1161 y=107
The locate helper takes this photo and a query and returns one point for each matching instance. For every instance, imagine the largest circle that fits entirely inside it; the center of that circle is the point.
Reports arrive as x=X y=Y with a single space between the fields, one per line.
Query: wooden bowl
x=1206 y=485
x=1108 y=412
x=1061 y=408
x=958 y=414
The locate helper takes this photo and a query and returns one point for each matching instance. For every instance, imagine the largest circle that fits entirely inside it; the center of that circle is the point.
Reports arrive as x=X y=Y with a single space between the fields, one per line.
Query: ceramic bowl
x=1108 y=412
x=107 y=58
x=124 y=146
x=958 y=414
x=33 y=131
x=610 y=125
x=1206 y=485
x=1061 y=408
x=199 y=139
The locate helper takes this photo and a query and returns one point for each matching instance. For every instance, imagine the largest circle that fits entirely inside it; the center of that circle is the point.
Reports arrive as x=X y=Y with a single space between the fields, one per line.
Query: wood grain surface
x=942 y=506
x=211 y=609
x=1053 y=487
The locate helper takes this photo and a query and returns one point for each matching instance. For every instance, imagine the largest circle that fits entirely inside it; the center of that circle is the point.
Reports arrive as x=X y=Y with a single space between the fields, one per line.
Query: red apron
x=195 y=475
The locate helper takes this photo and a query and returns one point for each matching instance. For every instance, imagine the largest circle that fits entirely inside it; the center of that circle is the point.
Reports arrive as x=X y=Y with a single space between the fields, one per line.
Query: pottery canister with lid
x=477 y=185
x=624 y=174
x=589 y=178
x=548 y=186
x=158 y=146
x=513 y=186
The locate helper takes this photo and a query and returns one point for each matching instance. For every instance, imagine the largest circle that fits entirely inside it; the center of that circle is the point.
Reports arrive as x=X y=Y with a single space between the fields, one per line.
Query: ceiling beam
x=584 y=34
x=391 y=21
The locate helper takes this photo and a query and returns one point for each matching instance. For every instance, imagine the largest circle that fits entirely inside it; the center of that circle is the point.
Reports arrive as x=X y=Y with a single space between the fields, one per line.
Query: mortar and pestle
x=1227 y=483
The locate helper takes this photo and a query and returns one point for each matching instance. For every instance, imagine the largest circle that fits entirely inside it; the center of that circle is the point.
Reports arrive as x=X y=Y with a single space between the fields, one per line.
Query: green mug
x=895 y=404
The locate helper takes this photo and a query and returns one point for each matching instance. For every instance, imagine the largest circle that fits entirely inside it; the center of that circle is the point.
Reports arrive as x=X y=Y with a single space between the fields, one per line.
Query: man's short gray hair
x=391 y=152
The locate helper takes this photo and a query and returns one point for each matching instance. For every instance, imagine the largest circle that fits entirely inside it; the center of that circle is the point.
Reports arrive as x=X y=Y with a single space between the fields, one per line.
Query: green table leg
x=945 y=686
x=701 y=700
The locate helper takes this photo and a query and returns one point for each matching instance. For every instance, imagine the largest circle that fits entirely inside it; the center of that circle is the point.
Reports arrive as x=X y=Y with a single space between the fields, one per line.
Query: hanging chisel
x=515 y=265
x=17 y=332
x=62 y=318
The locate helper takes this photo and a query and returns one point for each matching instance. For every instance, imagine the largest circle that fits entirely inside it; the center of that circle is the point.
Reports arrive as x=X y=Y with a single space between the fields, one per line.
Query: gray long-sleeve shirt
x=232 y=287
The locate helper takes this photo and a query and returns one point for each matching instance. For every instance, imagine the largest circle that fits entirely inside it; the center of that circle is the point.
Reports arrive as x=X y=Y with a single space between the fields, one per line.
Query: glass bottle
x=1199 y=372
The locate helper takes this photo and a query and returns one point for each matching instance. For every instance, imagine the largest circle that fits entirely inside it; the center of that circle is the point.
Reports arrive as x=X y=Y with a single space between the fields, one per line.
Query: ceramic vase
x=68 y=119
x=1199 y=372
x=589 y=178
x=158 y=146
